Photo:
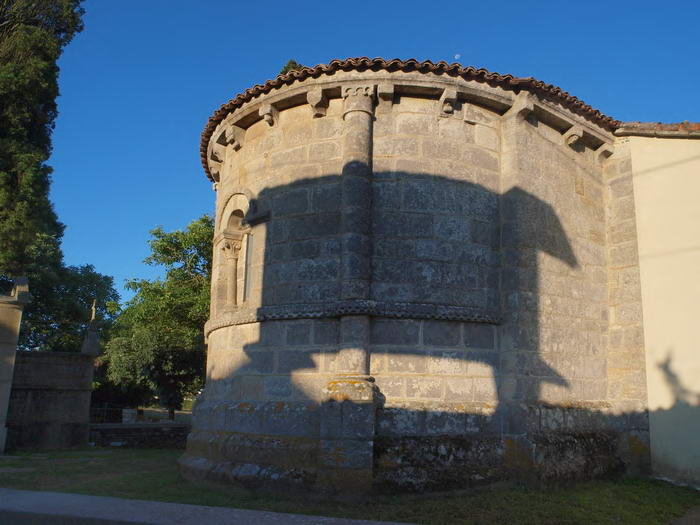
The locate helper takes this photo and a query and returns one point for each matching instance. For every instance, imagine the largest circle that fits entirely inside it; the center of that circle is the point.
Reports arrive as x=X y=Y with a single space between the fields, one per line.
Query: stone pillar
x=356 y=224
x=11 y=308
x=230 y=246
x=627 y=359
x=348 y=413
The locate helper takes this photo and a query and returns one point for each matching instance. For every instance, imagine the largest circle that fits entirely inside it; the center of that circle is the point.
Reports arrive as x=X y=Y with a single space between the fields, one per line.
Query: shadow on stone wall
x=455 y=344
x=675 y=430
x=49 y=404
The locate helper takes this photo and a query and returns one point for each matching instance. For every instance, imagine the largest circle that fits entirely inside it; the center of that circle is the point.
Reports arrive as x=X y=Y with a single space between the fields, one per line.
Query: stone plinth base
x=346 y=448
x=360 y=447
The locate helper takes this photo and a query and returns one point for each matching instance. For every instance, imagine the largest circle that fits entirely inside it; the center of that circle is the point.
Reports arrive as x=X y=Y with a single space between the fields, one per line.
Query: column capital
x=228 y=235
x=232 y=248
x=230 y=243
x=359 y=98
x=359 y=90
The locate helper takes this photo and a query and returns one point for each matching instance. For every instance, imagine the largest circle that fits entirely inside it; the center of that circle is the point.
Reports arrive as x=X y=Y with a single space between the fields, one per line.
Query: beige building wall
x=666 y=175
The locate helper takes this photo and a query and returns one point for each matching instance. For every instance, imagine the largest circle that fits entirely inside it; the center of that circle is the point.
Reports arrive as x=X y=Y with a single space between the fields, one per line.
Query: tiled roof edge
x=658 y=129
x=530 y=84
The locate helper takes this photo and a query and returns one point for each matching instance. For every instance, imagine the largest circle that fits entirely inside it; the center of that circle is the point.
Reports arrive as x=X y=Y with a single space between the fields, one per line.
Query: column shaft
x=348 y=414
x=356 y=223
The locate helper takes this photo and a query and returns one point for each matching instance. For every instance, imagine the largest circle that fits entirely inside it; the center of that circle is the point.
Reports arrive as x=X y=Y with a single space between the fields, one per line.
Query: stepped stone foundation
x=422 y=280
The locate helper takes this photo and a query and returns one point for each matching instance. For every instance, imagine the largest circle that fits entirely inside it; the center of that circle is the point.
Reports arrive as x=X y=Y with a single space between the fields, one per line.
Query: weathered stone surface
x=447 y=291
x=50 y=400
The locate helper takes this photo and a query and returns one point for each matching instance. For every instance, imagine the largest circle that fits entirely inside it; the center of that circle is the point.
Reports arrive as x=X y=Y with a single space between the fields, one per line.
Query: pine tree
x=292 y=65
x=33 y=34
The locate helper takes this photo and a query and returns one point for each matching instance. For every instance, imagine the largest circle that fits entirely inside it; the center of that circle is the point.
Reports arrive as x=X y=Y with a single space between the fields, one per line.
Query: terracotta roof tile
x=659 y=129
x=379 y=64
x=510 y=82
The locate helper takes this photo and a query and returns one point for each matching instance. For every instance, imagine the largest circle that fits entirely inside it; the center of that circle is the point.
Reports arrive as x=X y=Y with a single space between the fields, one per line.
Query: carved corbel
x=523 y=106
x=604 y=152
x=215 y=160
x=318 y=102
x=385 y=94
x=448 y=102
x=218 y=152
x=215 y=170
x=233 y=136
x=269 y=114
x=573 y=135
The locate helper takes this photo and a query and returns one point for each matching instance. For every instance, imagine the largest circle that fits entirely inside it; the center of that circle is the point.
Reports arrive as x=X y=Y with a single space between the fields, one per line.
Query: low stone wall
x=50 y=401
x=139 y=435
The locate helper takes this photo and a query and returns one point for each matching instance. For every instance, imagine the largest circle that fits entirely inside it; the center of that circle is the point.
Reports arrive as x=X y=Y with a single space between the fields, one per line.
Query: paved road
x=25 y=507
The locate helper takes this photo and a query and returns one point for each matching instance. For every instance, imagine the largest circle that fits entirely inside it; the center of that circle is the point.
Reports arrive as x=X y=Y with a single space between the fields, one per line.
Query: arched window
x=232 y=259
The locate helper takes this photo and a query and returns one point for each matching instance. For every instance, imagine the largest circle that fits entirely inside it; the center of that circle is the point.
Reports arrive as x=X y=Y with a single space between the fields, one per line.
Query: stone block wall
x=139 y=435
x=430 y=278
x=554 y=272
x=435 y=207
x=50 y=401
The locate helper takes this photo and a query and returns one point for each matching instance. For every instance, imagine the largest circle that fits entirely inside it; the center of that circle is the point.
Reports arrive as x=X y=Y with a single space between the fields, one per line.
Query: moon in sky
x=458 y=56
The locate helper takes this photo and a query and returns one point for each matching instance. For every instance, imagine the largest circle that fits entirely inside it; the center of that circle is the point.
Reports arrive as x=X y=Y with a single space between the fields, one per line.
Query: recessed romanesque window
x=233 y=268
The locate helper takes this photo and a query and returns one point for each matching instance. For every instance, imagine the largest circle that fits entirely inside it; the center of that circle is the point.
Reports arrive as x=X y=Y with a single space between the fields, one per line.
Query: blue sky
x=138 y=84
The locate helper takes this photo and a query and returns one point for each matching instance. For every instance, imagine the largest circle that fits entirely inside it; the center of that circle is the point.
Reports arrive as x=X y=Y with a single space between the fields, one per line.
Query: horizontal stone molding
x=352 y=307
x=674 y=131
x=380 y=68
x=447 y=91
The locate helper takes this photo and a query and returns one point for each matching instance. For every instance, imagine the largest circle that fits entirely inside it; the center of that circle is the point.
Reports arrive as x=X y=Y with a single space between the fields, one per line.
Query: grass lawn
x=153 y=475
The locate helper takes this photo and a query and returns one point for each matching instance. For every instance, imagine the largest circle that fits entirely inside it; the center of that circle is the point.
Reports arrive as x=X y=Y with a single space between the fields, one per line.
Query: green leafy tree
x=157 y=340
x=292 y=65
x=58 y=320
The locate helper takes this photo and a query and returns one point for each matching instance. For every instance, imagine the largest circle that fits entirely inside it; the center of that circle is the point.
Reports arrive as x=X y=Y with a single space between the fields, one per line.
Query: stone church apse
x=414 y=285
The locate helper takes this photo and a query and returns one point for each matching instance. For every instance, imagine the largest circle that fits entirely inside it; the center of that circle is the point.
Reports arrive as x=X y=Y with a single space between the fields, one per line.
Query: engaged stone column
x=227 y=248
x=348 y=414
x=356 y=224
x=11 y=308
x=232 y=247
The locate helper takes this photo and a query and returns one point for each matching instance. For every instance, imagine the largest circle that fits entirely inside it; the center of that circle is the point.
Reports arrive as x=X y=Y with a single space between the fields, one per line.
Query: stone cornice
x=437 y=71
x=680 y=130
x=351 y=307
